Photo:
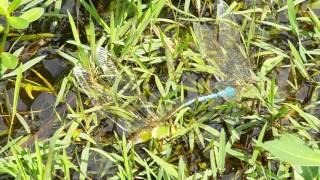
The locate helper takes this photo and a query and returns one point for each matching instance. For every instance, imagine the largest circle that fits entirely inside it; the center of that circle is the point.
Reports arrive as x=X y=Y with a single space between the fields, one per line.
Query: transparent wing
x=83 y=79
x=108 y=67
x=89 y=85
x=221 y=45
x=130 y=118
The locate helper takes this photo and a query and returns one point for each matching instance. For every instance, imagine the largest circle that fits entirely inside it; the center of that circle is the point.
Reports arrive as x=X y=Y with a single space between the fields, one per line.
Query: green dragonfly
x=221 y=46
x=164 y=129
x=141 y=126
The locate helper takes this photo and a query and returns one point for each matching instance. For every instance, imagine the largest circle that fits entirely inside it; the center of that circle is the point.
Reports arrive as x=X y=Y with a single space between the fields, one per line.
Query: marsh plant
x=9 y=60
x=172 y=90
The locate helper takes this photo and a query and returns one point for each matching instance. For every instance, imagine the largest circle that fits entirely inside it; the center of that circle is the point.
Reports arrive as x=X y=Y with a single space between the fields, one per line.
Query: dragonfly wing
x=221 y=45
x=89 y=85
x=209 y=47
x=83 y=79
x=108 y=67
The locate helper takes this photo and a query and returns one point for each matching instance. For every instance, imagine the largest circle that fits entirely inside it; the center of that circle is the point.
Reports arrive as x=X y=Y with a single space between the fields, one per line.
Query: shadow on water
x=39 y=112
x=48 y=115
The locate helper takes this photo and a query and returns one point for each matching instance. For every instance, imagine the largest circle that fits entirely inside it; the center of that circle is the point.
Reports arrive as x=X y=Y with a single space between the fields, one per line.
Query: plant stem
x=4 y=37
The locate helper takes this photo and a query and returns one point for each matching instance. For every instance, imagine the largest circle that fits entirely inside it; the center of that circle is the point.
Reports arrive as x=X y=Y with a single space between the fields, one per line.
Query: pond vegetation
x=161 y=89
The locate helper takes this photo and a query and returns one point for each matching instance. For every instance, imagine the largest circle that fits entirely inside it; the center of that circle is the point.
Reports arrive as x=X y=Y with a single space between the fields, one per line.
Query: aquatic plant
x=148 y=80
x=10 y=60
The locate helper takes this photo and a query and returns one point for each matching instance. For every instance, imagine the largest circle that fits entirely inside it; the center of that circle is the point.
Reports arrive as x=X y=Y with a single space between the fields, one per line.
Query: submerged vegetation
x=159 y=89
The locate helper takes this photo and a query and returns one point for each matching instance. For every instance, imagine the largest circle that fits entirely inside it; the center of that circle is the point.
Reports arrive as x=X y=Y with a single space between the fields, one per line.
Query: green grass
x=158 y=61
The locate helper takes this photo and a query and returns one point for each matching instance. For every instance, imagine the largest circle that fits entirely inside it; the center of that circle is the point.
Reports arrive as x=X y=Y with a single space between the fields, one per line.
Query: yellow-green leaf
x=292 y=16
x=312 y=120
x=32 y=14
x=2 y=11
x=315 y=19
x=8 y=60
x=1 y=27
x=297 y=60
x=4 y=4
x=15 y=4
x=269 y=64
x=289 y=148
x=160 y=86
x=168 y=168
x=18 y=23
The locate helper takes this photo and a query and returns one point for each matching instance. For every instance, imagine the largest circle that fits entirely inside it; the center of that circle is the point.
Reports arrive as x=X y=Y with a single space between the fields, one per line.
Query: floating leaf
x=18 y=22
x=8 y=60
x=32 y=14
x=289 y=148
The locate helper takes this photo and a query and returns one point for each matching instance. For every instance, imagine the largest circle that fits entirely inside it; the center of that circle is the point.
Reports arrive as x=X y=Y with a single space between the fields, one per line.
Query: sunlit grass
x=133 y=67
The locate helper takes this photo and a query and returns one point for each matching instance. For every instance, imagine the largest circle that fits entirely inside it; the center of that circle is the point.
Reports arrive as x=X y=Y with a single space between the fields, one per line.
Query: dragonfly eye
x=230 y=91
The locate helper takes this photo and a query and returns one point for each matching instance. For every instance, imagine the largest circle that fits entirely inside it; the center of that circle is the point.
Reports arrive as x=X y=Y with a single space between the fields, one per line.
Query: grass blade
x=167 y=167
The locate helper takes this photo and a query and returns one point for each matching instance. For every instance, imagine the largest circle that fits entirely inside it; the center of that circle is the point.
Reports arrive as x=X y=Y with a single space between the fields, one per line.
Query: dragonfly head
x=230 y=91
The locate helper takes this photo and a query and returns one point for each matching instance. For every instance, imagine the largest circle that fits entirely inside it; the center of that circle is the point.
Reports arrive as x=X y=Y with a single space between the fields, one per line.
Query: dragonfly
x=164 y=129
x=220 y=43
x=144 y=127
x=221 y=46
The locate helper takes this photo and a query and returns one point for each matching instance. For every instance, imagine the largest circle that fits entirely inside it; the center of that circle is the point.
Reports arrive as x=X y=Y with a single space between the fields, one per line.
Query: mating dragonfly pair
x=219 y=44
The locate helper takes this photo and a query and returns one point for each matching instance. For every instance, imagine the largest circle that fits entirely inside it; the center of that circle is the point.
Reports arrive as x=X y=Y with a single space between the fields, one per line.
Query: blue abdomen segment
x=228 y=92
